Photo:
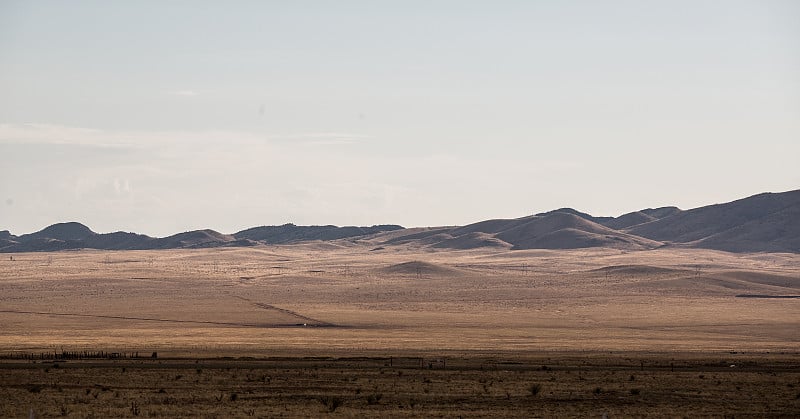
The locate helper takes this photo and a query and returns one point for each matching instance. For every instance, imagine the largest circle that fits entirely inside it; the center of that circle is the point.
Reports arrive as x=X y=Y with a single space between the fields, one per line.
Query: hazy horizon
x=166 y=117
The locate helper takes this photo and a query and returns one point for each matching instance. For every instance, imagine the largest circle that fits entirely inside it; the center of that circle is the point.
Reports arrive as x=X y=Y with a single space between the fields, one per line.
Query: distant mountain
x=585 y=216
x=61 y=231
x=73 y=235
x=193 y=240
x=776 y=232
x=660 y=212
x=768 y=222
x=290 y=233
x=559 y=229
x=119 y=240
x=471 y=241
x=562 y=230
x=639 y=217
x=764 y=222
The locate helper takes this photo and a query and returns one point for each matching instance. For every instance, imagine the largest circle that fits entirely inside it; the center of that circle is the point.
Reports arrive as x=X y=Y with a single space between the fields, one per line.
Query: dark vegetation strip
x=670 y=362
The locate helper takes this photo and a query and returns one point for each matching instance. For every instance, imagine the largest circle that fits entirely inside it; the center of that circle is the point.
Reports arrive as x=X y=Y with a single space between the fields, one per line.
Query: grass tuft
x=331 y=402
x=374 y=398
x=535 y=388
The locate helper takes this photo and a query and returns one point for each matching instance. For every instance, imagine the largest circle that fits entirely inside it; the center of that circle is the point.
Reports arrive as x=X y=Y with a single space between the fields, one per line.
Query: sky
x=160 y=117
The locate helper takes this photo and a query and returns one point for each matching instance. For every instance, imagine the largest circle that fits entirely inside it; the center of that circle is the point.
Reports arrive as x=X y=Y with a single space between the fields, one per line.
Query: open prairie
x=323 y=298
x=336 y=316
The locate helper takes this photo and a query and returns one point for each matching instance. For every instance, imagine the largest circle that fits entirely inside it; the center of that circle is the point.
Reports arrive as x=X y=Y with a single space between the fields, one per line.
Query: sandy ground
x=324 y=298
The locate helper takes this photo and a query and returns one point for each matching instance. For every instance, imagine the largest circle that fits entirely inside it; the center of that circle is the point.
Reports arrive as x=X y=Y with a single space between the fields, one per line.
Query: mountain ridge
x=766 y=222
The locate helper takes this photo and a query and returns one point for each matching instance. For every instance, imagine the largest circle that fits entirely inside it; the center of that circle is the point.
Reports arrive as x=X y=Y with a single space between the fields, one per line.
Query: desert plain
x=348 y=328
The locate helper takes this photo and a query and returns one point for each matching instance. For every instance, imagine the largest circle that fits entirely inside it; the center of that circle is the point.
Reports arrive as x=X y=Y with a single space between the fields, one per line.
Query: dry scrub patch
x=430 y=385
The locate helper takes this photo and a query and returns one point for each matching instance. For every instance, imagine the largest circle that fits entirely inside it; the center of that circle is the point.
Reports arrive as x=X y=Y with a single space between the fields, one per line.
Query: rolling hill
x=767 y=222
x=764 y=222
x=289 y=233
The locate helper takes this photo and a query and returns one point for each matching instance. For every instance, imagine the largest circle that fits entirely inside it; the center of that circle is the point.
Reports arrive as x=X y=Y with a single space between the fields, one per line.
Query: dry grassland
x=558 y=385
x=631 y=333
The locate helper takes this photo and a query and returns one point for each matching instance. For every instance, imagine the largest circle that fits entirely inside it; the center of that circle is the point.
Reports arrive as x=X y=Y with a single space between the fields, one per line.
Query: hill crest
x=767 y=222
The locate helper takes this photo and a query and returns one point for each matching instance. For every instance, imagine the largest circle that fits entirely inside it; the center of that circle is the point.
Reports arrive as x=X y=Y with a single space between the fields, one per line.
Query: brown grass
x=245 y=301
x=558 y=385
x=664 y=306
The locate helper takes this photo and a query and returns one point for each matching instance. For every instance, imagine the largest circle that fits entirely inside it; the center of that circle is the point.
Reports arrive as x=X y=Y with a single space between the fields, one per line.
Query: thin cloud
x=49 y=134
x=187 y=93
x=321 y=138
x=69 y=135
x=333 y=142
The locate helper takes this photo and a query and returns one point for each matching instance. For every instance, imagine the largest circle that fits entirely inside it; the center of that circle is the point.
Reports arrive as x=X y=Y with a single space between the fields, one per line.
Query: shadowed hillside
x=289 y=233
x=61 y=231
x=764 y=222
x=562 y=230
x=194 y=239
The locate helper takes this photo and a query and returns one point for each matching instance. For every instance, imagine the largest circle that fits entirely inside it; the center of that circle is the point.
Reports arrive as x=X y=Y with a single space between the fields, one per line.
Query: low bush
x=534 y=389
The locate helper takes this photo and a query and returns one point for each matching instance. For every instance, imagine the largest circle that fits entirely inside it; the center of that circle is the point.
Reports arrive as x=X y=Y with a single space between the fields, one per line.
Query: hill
x=194 y=239
x=60 y=231
x=74 y=235
x=290 y=233
x=766 y=222
x=559 y=229
x=763 y=222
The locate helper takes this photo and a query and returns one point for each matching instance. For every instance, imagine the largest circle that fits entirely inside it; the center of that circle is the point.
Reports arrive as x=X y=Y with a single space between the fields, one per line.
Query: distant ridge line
x=766 y=222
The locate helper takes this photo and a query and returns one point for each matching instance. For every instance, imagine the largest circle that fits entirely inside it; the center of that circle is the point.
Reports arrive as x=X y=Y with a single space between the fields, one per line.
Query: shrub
x=534 y=389
x=330 y=402
x=635 y=392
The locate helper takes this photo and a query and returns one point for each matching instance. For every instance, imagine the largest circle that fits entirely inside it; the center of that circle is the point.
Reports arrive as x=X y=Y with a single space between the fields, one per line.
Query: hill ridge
x=765 y=222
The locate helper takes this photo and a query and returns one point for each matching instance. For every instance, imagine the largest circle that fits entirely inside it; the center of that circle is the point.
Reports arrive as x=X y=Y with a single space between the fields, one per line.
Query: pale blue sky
x=159 y=117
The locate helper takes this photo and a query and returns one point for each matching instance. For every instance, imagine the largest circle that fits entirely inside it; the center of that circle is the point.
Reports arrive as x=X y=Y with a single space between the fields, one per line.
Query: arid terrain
x=680 y=316
x=519 y=385
x=329 y=297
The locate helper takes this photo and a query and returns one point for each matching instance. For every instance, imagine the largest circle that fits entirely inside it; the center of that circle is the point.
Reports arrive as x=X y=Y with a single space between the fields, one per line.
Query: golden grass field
x=671 y=315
